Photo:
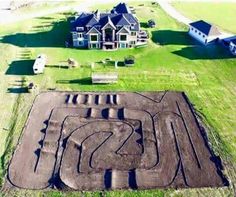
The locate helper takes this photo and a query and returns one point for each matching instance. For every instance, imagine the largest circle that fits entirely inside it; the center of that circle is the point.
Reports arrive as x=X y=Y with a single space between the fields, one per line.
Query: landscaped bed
x=113 y=140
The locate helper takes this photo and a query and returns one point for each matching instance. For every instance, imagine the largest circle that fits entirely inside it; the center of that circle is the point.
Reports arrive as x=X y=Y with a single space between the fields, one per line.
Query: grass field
x=221 y=14
x=172 y=61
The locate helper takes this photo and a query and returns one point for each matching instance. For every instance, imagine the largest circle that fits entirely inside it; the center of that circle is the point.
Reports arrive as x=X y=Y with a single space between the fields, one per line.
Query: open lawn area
x=171 y=61
x=221 y=14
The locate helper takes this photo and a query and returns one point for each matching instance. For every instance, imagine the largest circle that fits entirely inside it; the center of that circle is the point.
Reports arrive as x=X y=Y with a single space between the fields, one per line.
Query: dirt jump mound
x=98 y=141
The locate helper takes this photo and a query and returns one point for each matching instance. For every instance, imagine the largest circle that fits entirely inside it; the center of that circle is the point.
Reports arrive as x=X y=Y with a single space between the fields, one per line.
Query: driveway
x=170 y=10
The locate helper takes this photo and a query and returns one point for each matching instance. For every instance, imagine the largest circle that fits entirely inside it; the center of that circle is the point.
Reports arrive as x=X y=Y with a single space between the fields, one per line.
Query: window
x=94 y=38
x=199 y=33
x=133 y=33
x=80 y=28
x=80 y=35
x=195 y=31
x=192 y=28
x=123 y=37
x=132 y=42
x=203 y=36
x=81 y=43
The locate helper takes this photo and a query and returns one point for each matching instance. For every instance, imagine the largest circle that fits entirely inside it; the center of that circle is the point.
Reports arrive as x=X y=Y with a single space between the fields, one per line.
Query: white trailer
x=39 y=64
x=104 y=78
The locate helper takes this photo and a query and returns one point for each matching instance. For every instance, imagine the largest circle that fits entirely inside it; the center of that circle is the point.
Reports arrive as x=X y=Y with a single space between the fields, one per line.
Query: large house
x=117 y=29
x=204 y=32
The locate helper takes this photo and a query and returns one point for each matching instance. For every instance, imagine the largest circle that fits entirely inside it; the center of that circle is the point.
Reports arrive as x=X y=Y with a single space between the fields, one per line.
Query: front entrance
x=108 y=35
x=109 y=46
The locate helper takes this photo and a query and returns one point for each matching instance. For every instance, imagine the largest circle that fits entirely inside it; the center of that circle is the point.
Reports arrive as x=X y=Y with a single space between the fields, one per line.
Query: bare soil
x=97 y=141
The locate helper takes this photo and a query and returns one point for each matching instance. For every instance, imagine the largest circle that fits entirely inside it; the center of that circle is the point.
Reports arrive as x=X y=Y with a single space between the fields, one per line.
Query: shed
x=39 y=64
x=103 y=78
x=151 y=23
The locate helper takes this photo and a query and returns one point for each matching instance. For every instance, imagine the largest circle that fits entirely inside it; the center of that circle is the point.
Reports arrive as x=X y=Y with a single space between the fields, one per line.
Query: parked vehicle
x=39 y=64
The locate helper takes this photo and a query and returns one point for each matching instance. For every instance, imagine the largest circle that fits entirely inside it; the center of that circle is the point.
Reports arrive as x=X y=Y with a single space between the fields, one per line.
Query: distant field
x=222 y=14
x=172 y=61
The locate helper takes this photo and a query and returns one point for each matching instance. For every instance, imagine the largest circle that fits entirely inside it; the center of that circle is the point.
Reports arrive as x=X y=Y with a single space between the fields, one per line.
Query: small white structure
x=39 y=64
x=103 y=78
x=204 y=32
x=232 y=47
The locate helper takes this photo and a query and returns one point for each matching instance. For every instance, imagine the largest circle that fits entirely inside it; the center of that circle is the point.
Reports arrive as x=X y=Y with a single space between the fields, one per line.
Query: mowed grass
x=171 y=61
x=221 y=14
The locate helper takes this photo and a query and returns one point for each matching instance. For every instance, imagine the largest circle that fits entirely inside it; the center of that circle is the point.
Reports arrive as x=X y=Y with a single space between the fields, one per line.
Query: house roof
x=122 y=21
x=99 y=20
x=206 y=28
x=121 y=8
x=93 y=29
x=106 y=20
x=123 y=28
x=233 y=41
x=93 y=20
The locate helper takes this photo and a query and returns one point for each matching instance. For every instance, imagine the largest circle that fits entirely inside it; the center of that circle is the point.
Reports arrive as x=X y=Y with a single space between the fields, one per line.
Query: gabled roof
x=105 y=21
x=122 y=21
x=123 y=28
x=97 y=19
x=92 y=21
x=95 y=29
x=206 y=28
x=121 y=8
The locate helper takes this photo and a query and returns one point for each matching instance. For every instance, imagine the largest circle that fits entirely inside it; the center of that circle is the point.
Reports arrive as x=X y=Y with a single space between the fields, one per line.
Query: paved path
x=169 y=9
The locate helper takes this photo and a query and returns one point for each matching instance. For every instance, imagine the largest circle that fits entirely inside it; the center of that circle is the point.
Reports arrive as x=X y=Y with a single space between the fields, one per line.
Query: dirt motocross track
x=97 y=141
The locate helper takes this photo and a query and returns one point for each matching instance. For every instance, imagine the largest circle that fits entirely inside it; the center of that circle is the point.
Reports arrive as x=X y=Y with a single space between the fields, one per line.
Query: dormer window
x=80 y=28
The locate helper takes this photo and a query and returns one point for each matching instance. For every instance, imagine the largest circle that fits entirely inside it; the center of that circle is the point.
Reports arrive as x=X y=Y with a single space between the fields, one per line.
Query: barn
x=204 y=32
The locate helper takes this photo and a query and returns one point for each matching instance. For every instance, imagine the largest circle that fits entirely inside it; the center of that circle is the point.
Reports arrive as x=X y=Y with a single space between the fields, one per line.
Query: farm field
x=172 y=61
x=210 y=11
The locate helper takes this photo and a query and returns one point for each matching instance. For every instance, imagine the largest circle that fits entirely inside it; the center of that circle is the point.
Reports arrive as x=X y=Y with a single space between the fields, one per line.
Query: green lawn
x=172 y=61
x=221 y=14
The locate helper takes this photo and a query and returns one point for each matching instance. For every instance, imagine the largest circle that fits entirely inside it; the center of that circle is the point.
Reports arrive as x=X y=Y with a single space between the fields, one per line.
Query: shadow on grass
x=20 y=67
x=143 y=25
x=18 y=90
x=57 y=66
x=84 y=81
x=169 y=37
x=55 y=37
x=209 y=52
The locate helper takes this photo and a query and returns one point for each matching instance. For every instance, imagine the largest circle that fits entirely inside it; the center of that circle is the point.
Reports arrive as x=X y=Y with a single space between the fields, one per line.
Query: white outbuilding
x=232 y=46
x=204 y=32
x=39 y=64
